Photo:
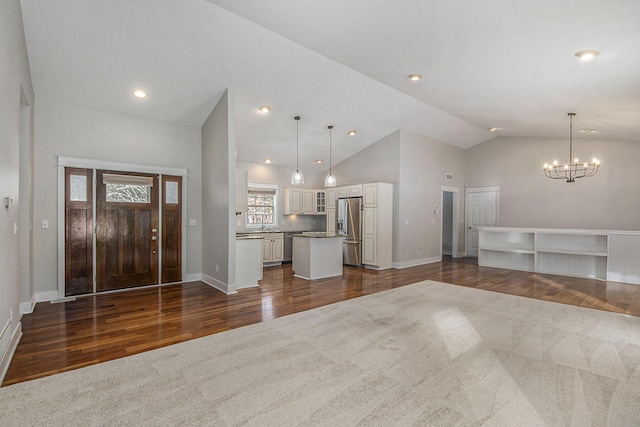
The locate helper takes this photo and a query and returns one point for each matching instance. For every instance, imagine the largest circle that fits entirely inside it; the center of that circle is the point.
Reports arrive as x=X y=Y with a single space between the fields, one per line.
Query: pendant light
x=297 y=178
x=330 y=180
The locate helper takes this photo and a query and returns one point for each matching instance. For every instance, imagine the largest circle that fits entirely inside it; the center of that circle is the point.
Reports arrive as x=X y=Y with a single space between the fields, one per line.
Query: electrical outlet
x=216 y=268
x=192 y=222
x=45 y=223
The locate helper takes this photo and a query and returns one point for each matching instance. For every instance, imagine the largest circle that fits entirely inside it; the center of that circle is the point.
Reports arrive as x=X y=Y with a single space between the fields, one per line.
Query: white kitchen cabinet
x=292 y=201
x=320 y=202
x=272 y=247
x=355 y=190
x=343 y=191
x=299 y=201
x=377 y=228
x=369 y=233
x=331 y=221
x=370 y=194
x=332 y=196
x=308 y=202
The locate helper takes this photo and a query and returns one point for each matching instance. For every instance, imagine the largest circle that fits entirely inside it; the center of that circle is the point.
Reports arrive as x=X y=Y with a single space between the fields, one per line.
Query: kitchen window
x=261 y=206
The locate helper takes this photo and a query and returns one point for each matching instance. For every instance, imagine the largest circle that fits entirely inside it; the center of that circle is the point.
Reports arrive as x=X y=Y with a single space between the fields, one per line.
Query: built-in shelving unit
x=595 y=254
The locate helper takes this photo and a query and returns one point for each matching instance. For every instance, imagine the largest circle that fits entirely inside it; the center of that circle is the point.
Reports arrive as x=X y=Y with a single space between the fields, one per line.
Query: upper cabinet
x=303 y=201
x=370 y=194
x=320 y=205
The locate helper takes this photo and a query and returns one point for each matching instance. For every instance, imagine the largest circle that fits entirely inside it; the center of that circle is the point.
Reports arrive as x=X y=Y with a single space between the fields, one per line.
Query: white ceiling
x=345 y=62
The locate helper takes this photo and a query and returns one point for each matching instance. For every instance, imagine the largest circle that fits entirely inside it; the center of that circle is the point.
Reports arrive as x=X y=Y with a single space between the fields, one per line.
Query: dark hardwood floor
x=94 y=329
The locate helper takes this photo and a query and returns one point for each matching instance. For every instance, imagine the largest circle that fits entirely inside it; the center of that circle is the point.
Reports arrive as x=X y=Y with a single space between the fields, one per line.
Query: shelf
x=508 y=260
x=572 y=252
x=508 y=249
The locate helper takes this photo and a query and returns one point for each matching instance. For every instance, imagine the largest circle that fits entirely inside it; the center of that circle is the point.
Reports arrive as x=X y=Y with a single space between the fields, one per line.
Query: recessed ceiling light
x=415 y=77
x=319 y=161
x=265 y=108
x=589 y=130
x=140 y=93
x=493 y=129
x=267 y=161
x=587 y=55
x=351 y=132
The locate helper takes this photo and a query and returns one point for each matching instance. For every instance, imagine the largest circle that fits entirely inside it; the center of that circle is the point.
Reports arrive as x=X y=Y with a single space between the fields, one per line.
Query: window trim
x=276 y=211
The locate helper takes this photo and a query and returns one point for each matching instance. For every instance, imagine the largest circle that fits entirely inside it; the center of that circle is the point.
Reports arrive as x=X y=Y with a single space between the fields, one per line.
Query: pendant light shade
x=297 y=178
x=330 y=180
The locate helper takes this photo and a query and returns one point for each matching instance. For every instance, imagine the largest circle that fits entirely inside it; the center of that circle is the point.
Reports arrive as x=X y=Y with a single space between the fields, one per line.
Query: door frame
x=456 y=220
x=468 y=192
x=87 y=163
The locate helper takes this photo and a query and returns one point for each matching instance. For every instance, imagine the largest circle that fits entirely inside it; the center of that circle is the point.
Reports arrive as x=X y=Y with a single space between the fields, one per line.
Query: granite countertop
x=316 y=235
x=244 y=237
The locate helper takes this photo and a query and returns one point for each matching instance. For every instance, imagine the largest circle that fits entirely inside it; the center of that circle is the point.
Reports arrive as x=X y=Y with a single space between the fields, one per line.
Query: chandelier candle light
x=297 y=178
x=330 y=180
x=571 y=171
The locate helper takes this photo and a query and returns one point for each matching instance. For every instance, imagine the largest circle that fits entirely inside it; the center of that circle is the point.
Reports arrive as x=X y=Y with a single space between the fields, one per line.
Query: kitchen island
x=317 y=255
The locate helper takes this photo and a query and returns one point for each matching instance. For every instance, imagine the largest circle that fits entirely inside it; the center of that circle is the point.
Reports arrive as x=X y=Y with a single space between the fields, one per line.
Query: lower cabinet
x=272 y=247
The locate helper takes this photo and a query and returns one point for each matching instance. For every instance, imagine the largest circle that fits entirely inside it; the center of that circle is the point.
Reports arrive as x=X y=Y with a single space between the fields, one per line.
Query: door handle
x=153 y=230
x=154 y=238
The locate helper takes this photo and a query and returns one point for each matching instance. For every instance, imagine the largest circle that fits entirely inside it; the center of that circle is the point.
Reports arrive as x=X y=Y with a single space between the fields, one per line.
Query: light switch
x=192 y=222
x=15 y=228
x=45 y=223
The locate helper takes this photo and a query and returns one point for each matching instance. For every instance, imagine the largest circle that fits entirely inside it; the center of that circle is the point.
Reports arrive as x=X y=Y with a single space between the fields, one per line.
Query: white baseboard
x=221 y=286
x=446 y=252
x=11 y=349
x=194 y=277
x=416 y=262
x=461 y=255
x=623 y=278
x=27 y=307
x=46 y=296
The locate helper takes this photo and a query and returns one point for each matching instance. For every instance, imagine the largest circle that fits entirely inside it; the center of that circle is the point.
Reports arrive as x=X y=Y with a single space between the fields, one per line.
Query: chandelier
x=571 y=171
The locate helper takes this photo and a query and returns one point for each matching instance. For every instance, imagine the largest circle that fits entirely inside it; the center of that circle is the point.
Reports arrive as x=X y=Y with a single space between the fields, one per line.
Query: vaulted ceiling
x=495 y=63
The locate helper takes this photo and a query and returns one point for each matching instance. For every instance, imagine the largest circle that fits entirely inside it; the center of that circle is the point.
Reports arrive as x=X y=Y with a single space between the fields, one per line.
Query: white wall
x=423 y=165
x=62 y=129
x=218 y=196
x=608 y=200
x=269 y=174
x=14 y=69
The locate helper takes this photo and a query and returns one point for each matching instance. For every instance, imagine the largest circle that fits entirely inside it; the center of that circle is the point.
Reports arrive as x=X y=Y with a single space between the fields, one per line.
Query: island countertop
x=317 y=235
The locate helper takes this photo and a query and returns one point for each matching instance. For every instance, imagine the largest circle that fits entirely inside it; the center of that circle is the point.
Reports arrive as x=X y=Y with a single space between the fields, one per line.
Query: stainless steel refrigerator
x=349 y=225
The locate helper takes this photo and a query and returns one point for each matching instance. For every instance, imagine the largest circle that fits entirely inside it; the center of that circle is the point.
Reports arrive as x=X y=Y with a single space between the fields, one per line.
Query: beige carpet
x=426 y=354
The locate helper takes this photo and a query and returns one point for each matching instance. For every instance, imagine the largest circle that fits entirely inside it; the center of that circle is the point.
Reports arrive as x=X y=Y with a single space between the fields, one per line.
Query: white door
x=482 y=211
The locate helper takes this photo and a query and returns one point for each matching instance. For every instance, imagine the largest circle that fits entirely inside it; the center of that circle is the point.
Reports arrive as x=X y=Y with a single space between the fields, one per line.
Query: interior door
x=127 y=230
x=481 y=212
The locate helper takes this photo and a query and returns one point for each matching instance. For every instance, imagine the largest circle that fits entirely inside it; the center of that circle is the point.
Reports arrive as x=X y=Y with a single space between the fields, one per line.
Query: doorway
x=449 y=221
x=482 y=211
x=136 y=238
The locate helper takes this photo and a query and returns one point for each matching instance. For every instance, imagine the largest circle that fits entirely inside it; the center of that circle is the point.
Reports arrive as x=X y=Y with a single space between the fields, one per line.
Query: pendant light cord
x=330 y=160
x=297 y=118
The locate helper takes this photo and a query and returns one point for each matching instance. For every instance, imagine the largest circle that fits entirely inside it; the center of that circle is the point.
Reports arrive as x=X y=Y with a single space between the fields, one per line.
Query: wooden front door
x=127 y=230
x=78 y=224
x=171 y=229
